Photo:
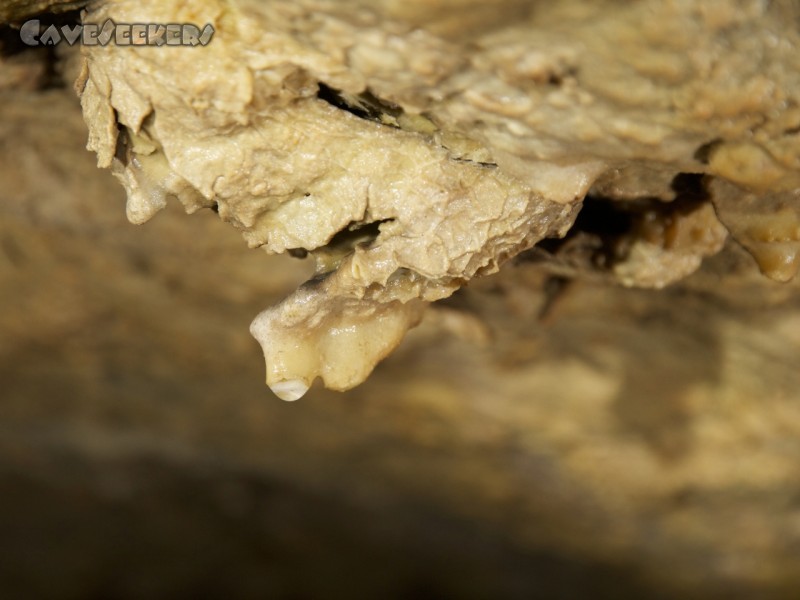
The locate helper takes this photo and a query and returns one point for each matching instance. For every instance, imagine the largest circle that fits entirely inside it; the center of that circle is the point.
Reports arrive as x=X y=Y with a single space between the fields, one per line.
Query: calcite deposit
x=410 y=147
x=591 y=421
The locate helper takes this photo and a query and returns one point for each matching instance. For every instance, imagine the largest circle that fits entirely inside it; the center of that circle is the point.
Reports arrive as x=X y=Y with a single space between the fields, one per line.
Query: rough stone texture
x=409 y=153
x=20 y=10
x=543 y=433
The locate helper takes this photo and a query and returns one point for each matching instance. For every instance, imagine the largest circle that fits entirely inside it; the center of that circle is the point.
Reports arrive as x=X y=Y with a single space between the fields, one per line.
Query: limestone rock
x=409 y=152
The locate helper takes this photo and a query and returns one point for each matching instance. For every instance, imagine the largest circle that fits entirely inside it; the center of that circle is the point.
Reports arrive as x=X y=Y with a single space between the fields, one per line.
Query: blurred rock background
x=534 y=438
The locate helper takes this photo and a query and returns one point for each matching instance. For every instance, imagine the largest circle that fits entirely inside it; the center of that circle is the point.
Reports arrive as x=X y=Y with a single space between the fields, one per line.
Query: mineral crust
x=410 y=147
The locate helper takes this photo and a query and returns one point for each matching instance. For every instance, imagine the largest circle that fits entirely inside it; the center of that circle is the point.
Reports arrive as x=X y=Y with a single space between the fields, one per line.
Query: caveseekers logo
x=120 y=34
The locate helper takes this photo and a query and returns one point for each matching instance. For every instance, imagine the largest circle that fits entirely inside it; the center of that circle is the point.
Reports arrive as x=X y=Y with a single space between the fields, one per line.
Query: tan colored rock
x=409 y=150
x=767 y=225
x=19 y=10
x=576 y=436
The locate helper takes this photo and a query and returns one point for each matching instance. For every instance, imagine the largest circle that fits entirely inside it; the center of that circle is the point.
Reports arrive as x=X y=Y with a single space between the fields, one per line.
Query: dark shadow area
x=145 y=527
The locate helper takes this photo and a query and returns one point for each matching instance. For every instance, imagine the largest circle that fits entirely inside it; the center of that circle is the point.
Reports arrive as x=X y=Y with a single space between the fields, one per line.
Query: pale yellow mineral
x=409 y=147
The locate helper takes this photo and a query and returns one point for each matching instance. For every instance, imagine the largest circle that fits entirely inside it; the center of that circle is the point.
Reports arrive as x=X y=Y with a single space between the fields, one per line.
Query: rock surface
x=16 y=11
x=409 y=155
x=544 y=432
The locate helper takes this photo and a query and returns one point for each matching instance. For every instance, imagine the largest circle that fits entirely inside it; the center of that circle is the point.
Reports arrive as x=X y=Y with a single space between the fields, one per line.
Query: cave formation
x=587 y=212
